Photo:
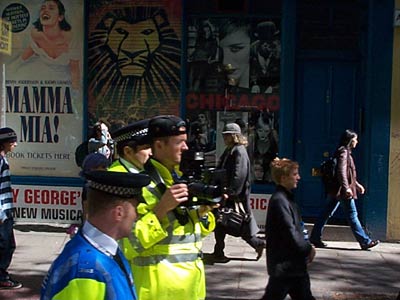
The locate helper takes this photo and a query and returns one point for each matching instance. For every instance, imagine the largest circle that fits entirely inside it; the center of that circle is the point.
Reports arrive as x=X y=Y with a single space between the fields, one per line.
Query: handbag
x=233 y=219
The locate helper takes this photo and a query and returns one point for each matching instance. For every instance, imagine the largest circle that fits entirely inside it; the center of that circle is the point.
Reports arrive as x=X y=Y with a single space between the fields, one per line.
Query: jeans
x=7 y=247
x=350 y=210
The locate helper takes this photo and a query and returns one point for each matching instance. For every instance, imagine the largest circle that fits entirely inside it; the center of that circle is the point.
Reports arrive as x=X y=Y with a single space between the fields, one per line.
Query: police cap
x=121 y=184
x=136 y=131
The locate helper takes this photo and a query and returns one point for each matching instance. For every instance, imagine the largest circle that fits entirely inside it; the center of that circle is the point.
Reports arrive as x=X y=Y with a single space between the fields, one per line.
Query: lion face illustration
x=133 y=64
x=133 y=45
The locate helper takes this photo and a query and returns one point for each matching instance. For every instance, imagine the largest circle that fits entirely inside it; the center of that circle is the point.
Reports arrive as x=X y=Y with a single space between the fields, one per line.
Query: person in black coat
x=236 y=162
x=288 y=250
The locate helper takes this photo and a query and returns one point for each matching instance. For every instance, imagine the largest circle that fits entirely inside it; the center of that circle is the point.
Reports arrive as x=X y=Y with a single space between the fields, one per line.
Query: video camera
x=206 y=185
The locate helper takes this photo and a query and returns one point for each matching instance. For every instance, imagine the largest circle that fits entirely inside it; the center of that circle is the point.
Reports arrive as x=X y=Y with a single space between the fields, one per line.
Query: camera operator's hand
x=172 y=197
x=205 y=209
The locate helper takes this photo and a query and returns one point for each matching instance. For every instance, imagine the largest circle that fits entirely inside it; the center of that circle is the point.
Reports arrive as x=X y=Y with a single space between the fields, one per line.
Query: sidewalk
x=340 y=272
x=37 y=247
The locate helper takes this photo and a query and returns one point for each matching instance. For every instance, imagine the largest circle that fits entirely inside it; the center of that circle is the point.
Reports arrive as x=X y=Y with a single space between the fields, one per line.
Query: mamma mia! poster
x=43 y=85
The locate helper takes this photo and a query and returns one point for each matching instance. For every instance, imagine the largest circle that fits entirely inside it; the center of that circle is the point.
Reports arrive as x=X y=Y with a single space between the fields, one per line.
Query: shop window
x=335 y=25
x=271 y=7
x=232 y=6
x=233 y=72
x=265 y=7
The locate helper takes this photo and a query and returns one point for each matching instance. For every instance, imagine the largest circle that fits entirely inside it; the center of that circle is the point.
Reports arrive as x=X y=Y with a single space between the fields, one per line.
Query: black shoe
x=9 y=284
x=220 y=259
x=319 y=244
x=370 y=245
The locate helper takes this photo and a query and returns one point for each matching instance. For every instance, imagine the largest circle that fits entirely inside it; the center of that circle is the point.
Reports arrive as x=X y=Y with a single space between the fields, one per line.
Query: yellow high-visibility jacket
x=117 y=166
x=165 y=256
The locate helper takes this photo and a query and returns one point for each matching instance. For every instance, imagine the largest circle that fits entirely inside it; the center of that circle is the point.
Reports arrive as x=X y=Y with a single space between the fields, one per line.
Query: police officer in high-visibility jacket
x=165 y=248
x=133 y=147
x=91 y=265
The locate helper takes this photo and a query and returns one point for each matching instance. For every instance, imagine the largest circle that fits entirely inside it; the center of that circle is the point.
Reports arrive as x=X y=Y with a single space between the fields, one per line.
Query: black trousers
x=7 y=247
x=219 y=234
x=299 y=288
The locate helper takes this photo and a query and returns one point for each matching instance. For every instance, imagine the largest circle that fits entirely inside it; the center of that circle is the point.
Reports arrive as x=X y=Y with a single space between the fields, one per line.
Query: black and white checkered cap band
x=125 y=192
x=131 y=134
x=8 y=135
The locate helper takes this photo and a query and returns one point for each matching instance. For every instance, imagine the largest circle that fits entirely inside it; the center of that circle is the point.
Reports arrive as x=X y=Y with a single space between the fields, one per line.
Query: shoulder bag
x=233 y=219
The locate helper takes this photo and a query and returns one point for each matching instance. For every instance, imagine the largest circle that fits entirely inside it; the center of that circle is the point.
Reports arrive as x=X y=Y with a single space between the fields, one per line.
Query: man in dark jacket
x=288 y=252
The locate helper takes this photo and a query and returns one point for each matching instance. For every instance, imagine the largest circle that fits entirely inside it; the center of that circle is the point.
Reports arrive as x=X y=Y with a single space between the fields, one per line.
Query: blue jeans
x=350 y=210
x=7 y=247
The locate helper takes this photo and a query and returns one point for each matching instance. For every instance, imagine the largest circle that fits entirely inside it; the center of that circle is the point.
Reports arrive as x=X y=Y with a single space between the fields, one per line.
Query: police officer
x=91 y=266
x=133 y=147
x=165 y=251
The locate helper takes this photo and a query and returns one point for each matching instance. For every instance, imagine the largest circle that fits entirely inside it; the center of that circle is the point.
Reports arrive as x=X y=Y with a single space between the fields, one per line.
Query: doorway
x=329 y=70
x=327 y=93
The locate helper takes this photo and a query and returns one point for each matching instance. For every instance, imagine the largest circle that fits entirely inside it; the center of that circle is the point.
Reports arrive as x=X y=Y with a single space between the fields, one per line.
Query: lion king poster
x=43 y=84
x=134 y=54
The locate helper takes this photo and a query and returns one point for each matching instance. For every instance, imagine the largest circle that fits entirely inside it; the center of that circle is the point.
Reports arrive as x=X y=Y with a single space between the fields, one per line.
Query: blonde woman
x=237 y=165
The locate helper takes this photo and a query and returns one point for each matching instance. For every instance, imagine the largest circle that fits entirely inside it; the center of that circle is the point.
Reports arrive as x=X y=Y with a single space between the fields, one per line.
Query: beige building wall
x=393 y=226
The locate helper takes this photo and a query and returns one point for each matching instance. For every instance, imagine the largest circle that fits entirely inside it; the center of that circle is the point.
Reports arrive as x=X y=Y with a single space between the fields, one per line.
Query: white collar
x=100 y=240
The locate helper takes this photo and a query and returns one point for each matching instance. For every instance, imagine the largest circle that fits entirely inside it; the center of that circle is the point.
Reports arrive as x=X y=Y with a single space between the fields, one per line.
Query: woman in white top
x=52 y=40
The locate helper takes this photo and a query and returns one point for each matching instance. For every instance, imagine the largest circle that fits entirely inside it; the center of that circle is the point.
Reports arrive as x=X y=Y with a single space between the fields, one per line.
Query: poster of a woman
x=235 y=45
x=266 y=144
x=201 y=61
x=52 y=40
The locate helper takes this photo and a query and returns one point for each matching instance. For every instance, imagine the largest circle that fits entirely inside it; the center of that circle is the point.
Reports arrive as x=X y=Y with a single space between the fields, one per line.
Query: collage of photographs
x=235 y=56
